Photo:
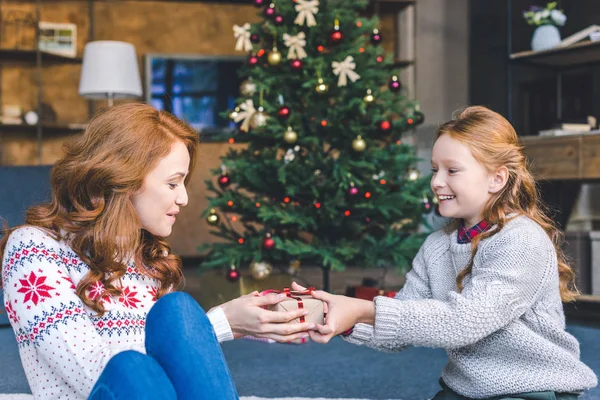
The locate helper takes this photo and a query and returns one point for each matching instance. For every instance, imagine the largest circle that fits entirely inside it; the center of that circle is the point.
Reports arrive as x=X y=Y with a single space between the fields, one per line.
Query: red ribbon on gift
x=292 y=294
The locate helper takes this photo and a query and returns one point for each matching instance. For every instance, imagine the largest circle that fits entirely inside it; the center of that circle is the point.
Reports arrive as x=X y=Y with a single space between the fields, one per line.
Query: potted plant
x=547 y=19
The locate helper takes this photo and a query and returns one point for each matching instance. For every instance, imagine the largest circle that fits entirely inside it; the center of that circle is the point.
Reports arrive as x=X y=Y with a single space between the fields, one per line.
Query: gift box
x=296 y=300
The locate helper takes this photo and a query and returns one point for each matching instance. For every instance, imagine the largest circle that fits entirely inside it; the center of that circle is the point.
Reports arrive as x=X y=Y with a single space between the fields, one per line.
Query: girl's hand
x=247 y=317
x=342 y=314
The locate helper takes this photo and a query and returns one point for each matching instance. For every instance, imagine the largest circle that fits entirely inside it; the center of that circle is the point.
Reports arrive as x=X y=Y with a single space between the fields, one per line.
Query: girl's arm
x=49 y=319
x=513 y=270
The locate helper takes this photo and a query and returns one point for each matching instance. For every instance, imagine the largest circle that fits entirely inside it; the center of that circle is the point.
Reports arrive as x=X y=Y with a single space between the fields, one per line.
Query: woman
x=82 y=276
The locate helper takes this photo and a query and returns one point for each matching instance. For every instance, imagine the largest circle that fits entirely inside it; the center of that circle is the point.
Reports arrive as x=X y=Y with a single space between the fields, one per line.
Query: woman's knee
x=118 y=382
x=176 y=306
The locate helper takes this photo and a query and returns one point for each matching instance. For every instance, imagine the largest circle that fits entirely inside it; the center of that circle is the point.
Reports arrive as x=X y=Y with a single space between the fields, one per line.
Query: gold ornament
x=274 y=57
x=321 y=87
x=260 y=270
x=258 y=119
x=213 y=218
x=290 y=136
x=234 y=113
x=247 y=88
x=413 y=174
x=369 y=98
x=359 y=144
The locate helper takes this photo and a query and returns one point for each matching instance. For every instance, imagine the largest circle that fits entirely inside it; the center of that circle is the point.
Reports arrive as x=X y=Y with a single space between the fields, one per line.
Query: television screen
x=196 y=89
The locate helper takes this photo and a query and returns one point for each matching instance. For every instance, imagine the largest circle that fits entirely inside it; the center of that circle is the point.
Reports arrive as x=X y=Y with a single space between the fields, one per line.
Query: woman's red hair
x=92 y=188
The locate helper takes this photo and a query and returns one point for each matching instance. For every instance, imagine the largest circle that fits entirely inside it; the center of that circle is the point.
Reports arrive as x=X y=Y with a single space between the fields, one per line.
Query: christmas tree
x=325 y=177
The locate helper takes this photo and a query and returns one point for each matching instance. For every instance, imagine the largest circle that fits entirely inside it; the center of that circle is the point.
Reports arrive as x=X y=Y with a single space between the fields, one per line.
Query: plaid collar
x=466 y=235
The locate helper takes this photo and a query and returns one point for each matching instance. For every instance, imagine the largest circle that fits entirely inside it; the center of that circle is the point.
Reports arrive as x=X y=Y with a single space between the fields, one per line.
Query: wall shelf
x=47 y=128
x=18 y=55
x=582 y=53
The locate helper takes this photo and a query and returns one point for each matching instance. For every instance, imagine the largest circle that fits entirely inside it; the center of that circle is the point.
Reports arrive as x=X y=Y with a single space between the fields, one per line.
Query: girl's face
x=463 y=185
x=163 y=192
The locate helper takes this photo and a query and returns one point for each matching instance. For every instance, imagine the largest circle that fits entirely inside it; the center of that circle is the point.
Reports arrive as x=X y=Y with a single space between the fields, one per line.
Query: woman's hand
x=247 y=317
x=342 y=314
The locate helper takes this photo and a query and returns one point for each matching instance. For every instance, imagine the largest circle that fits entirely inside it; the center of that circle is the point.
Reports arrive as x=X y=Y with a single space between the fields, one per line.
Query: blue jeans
x=183 y=358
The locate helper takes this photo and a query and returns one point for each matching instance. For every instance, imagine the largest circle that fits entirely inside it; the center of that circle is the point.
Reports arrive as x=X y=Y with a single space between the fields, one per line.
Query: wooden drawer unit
x=554 y=158
x=590 y=157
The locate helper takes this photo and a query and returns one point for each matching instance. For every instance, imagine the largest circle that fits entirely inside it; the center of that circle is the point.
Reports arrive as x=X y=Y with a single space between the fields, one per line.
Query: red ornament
x=375 y=37
x=233 y=274
x=385 y=126
x=268 y=243
x=259 y=3
x=284 y=112
x=253 y=60
x=353 y=191
x=296 y=65
x=224 y=181
x=394 y=84
x=379 y=59
x=278 y=20
x=270 y=11
x=336 y=37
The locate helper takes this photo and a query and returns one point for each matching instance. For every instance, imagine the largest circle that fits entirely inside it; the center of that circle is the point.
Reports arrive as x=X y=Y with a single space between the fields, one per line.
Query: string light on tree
x=253 y=60
x=278 y=19
x=255 y=38
x=259 y=3
x=385 y=126
x=353 y=191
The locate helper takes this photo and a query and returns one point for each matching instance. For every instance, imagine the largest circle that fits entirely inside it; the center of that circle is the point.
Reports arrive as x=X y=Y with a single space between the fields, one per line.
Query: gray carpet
x=335 y=370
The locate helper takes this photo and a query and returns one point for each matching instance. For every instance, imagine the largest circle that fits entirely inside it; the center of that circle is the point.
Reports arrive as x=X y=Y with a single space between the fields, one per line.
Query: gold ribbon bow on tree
x=245 y=114
x=345 y=70
x=242 y=34
x=306 y=11
x=296 y=45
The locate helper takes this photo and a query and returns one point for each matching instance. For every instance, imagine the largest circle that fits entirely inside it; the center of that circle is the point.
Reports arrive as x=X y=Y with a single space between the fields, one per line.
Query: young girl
x=82 y=277
x=488 y=288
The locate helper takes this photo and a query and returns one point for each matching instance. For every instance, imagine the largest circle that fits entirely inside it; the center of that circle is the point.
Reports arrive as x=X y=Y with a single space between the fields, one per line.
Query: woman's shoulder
x=27 y=235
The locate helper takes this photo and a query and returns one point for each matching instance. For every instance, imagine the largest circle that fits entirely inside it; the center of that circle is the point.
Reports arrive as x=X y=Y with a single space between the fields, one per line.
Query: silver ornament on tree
x=260 y=270
x=259 y=118
x=247 y=88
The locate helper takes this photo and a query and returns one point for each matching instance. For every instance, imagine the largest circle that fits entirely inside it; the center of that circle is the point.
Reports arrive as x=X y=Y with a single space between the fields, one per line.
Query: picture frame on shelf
x=58 y=38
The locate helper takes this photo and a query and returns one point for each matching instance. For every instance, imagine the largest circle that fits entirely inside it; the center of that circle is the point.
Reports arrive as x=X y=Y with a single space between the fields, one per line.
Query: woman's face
x=163 y=192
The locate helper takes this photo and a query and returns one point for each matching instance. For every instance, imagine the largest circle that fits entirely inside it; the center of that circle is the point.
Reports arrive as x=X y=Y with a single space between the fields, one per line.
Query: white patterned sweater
x=504 y=333
x=63 y=345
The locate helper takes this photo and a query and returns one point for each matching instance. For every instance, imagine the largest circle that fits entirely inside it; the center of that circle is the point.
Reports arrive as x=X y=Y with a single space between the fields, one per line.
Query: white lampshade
x=110 y=70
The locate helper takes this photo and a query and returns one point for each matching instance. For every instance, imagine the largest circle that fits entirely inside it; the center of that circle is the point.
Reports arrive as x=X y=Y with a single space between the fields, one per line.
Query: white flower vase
x=545 y=37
